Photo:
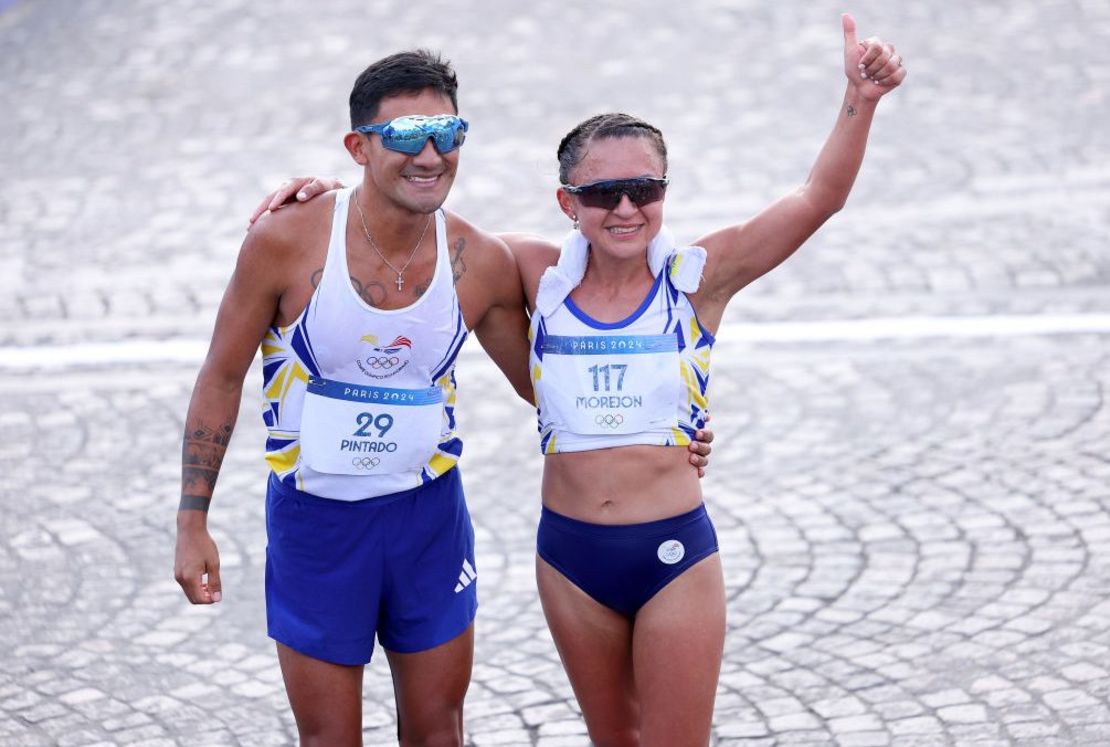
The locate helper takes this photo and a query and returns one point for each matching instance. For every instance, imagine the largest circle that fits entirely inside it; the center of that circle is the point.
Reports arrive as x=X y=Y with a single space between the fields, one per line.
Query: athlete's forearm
x=839 y=161
x=202 y=455
x=503 y=334
x=208 y=428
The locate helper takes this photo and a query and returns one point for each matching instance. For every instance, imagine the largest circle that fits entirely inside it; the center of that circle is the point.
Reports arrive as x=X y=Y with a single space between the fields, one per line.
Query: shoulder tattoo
x=458 y=264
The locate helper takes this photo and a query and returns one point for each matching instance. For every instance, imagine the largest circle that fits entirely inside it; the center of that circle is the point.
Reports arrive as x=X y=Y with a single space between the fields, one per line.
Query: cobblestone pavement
x=915 y=529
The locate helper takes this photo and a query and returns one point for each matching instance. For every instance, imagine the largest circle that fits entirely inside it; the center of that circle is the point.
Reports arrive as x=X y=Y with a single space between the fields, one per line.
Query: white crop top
x=642 y=380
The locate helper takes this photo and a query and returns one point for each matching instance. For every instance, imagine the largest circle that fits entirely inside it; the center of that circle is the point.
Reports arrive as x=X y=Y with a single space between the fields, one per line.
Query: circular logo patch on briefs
x=671 y=551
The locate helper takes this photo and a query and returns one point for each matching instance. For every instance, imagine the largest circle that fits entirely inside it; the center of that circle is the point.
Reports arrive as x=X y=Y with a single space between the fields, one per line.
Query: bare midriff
x=623 y=485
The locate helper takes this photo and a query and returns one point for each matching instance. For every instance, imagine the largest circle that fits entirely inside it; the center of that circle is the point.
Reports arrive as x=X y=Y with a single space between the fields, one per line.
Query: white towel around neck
x=560 y=279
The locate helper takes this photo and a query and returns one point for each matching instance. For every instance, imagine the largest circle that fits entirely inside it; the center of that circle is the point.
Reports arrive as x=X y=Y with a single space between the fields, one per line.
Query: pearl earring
x=575 y=219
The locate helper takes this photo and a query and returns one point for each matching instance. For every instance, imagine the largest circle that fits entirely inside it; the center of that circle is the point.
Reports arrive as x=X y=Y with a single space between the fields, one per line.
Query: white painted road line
x=916 y=327
x=837 y=330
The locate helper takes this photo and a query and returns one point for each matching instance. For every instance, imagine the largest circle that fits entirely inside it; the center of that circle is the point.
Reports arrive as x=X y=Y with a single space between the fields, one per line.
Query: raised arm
x=247 y=309
x=740 y=254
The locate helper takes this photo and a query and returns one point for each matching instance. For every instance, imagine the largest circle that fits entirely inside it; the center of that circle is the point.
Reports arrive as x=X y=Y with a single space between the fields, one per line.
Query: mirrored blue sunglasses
x=410 y=133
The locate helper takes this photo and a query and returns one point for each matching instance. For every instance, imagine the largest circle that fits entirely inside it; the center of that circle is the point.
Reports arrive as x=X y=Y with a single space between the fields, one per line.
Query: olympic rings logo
x=383 y=361
x=609 y=421
x=365 y=462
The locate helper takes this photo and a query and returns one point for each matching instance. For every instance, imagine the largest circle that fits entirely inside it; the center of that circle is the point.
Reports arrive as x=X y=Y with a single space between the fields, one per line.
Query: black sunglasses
x=606 y=194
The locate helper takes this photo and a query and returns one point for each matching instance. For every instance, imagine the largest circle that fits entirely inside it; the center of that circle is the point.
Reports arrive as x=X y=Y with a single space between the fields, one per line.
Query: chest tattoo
x=373 y=293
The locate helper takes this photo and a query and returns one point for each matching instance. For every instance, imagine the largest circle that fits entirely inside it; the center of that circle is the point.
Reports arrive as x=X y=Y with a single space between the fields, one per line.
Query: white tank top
x=360 y=401
x=642 y=380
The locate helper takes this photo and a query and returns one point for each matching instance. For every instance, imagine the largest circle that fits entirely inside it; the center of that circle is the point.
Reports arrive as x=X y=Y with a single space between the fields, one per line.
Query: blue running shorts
x=400 y=566
x=622 y=566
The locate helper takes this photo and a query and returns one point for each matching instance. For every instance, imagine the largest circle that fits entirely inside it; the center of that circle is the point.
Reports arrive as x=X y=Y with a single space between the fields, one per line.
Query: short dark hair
x=404 y=72
x=573 y=147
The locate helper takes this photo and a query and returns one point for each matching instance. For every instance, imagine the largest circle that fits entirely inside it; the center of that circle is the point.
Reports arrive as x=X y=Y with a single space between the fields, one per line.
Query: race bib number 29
x=351 y=429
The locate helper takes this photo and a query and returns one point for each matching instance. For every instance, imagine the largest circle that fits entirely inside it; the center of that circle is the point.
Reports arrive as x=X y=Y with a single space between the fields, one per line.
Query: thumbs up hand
x=872 y=65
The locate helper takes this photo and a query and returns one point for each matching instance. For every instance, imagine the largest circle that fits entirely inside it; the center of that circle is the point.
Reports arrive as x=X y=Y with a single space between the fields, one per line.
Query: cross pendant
x=400 y=282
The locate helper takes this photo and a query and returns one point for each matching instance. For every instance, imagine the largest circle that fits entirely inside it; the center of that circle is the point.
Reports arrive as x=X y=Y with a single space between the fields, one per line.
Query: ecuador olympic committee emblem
x=385 y=361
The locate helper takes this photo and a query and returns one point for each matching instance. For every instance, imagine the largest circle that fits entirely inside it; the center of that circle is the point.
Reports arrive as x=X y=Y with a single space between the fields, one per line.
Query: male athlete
x=361 y=300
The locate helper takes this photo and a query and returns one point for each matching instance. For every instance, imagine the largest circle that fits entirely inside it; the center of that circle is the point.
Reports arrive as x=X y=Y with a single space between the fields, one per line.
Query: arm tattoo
x=202 y=454
x=195 y=503
x=373 y=293
x=458 y=266
x=851 y=110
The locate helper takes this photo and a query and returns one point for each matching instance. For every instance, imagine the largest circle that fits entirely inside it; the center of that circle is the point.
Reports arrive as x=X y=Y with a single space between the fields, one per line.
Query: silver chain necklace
x=369 y=238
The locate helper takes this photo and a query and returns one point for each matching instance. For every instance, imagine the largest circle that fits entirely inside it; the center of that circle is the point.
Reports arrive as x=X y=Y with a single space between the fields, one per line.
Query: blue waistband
x=645 y=529
x=287 y=491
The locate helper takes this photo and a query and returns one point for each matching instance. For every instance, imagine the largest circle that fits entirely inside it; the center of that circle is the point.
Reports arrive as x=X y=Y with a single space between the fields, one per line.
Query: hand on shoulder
x=293 y=230
x=291 y=191
x=294 y=218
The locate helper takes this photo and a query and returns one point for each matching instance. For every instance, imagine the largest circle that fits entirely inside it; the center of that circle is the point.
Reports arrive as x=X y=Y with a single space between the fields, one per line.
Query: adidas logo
x=466 y=577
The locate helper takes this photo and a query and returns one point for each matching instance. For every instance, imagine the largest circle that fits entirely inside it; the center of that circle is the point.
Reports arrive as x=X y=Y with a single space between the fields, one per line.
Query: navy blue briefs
x=622 y=566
